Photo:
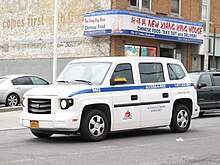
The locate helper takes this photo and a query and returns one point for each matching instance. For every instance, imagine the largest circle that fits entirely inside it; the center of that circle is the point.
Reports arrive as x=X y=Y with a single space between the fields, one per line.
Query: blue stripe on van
x=128 y=88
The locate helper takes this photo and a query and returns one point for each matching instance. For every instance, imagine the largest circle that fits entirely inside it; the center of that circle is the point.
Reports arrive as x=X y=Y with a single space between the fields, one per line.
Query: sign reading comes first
x=120 y=22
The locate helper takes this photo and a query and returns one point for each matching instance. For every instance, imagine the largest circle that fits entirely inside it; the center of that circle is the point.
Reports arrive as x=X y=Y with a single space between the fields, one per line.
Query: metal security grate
x=39 y=106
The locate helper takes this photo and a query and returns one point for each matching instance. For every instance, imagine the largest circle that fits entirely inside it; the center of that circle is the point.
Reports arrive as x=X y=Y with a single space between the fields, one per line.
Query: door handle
x=211 y=89
x=134 y=97
x=165 y=95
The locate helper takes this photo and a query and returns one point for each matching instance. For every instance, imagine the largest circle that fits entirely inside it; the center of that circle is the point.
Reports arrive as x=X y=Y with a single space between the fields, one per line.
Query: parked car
x=207 y=84
x=94 y=96
x=12 y=87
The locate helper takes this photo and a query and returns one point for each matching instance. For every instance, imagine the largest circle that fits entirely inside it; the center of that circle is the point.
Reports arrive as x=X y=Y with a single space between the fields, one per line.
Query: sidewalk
x=9 y=109
x=9 y=118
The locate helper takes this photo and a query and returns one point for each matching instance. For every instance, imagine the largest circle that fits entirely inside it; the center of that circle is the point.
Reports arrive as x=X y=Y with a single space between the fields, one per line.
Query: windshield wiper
x=84 y=81
x=63 y=81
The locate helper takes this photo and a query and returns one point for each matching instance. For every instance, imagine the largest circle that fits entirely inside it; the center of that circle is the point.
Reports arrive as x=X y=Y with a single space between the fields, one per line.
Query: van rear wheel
x=181 y=119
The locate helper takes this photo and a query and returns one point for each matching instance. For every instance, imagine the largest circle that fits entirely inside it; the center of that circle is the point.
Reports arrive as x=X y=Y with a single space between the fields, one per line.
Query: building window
x=141 y=3
x=175 y=6
x=204 y=9
x=146 y=4
x=134 y=3
x=143 y=51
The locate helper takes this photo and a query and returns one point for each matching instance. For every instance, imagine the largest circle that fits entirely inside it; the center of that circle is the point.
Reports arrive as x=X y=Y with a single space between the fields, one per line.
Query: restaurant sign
x=123 y=22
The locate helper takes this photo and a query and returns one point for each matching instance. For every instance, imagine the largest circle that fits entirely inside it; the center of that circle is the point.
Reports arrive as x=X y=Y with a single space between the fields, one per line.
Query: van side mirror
x=202 y=84
x=119 y=80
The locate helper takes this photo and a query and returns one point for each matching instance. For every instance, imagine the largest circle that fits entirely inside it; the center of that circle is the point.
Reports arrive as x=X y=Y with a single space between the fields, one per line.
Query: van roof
x=123 y=58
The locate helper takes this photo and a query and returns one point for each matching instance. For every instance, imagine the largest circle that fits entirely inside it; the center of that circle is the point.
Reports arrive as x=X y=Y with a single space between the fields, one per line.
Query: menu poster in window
x=148 y=51
x=131 y=50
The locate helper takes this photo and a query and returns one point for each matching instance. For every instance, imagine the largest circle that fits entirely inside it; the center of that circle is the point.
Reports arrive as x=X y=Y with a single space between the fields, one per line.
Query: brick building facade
x=26 y=33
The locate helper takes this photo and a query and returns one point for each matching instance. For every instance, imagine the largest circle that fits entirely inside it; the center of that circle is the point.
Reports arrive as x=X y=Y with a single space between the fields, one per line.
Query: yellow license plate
x=34 y=124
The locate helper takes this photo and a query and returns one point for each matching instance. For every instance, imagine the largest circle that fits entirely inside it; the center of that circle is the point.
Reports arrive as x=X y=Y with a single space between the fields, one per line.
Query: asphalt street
x=154 y=146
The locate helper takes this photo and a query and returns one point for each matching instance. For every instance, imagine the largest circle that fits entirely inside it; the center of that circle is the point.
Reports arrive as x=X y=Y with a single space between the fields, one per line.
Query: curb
x=14 y=128
x=9 y=109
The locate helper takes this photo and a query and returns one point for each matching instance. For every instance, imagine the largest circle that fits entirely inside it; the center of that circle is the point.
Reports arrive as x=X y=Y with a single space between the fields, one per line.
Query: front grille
x=39 y=106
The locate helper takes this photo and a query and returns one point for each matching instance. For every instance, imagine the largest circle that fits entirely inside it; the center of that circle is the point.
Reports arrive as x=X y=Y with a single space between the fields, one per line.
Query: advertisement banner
x=121 y=22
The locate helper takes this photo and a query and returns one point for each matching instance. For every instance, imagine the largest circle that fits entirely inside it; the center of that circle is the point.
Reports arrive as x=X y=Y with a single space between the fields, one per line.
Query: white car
x=12 y=87
x=95 y=96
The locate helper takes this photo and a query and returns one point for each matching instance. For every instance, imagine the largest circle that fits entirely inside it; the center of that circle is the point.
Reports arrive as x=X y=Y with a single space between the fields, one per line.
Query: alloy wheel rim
x=12 y=100
x=96 y=125
x=182 y=119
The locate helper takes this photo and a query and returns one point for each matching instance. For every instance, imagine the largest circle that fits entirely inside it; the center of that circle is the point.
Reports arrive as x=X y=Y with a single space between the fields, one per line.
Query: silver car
x=12 y=87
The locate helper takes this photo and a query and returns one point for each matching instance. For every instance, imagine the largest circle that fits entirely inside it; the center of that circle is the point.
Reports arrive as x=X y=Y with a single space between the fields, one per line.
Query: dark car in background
x=12 y=87
x=207 y=84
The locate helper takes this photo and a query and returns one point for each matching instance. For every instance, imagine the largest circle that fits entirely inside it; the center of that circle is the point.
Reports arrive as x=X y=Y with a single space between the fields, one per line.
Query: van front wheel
x=181 y=119
x=94 y=126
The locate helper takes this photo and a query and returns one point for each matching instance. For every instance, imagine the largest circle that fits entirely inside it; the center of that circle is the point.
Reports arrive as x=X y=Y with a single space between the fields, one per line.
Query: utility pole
x=213 y=58
x=206 y=43
x=55 y=40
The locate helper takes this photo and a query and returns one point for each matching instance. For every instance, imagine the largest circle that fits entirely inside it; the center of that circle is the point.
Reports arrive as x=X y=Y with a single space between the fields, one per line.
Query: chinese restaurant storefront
x=137 y=34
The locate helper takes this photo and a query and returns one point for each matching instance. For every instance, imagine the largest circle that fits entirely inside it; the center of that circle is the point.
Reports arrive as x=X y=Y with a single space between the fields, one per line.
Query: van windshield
x=84 y=72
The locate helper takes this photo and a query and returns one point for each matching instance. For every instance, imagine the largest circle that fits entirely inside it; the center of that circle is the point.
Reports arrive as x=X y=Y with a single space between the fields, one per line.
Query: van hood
x=59 y=90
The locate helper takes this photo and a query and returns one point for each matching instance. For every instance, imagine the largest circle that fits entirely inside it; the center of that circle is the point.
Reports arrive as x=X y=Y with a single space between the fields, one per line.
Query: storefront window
x=131 y=50
x=143 y=51
x=148 y=51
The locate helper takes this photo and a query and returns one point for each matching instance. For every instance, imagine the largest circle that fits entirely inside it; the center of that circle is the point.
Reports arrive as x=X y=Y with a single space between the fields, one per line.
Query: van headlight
x=66 y=103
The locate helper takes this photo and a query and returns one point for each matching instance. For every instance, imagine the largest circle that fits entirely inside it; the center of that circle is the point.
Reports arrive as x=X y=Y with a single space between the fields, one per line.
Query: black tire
x=94 y=125
x=12 y=100
x=181 y=119
x=40 y=134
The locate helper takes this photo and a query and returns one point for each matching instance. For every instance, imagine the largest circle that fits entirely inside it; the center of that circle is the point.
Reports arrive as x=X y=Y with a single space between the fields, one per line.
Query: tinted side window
x=22 y=81
x=38 y=81
x=217 y=79
x=175 y=71
x=123 y=70
x=151 y=72
x=205 y=78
